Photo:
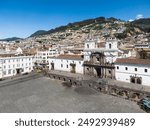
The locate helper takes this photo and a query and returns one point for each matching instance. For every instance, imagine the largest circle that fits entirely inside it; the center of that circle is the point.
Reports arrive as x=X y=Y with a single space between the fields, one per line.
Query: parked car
x=145 y=104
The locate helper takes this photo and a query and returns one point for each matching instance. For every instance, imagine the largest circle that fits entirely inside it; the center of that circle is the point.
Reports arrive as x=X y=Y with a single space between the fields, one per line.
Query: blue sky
x=21 y=18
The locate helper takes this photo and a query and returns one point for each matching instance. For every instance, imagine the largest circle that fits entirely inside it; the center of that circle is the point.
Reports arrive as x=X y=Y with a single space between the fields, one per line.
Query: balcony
x=96 y=64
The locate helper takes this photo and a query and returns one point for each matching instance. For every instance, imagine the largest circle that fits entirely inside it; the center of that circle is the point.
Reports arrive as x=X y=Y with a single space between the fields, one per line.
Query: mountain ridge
x=75 y=25
x=11 y=39
x=143 y=24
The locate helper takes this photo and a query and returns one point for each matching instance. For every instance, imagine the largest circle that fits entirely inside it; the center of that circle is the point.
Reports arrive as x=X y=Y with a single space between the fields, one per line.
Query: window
x=79 y=62
x=9 y=71
x=145 y=70
x=4 y=72
x=109 y=46
x=87 y=45
x=117 y=67
x=13 y=71
x=109 y=71
x=61 y=65
x=126 y=68
x=67 y=66
x=135 y=69
x=4 y=66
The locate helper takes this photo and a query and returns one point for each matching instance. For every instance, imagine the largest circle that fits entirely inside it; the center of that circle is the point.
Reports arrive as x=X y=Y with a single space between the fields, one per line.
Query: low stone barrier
x=126 y=93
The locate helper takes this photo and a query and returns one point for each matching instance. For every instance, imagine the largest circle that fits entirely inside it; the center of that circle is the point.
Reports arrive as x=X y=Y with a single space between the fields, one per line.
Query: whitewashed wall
x=124 y=75
x=8 y=65
x=113 y=43
x=64 y=63
x=90 y=45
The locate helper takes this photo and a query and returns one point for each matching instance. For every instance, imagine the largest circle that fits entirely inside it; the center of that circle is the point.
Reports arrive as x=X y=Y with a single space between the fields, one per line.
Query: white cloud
x=131 y=20
x=139 y=16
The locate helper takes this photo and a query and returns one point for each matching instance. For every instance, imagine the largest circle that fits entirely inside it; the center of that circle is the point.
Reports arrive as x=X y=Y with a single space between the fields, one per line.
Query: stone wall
x=103 y=87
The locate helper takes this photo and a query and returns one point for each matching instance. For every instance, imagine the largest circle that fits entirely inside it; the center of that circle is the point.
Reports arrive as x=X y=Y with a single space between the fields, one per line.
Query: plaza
x=44 y=95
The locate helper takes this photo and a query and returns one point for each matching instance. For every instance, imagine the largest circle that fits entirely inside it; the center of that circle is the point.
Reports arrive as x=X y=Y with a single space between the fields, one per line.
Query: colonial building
x=98 y=60
x=41 y=58
x=11 y=66
x=67 y=62
x=135 y=71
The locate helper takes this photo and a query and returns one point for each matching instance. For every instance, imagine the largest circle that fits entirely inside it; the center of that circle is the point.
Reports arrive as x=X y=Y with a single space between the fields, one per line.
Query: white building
x=19 y=51
x=69 y=63
x=110 y=49
x=11 y=66
x=42 y=56
x=142 y=45
x=133 y=71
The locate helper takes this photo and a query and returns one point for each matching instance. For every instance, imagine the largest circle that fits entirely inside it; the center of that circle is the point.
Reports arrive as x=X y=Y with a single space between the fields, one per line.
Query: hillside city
x=110 y=50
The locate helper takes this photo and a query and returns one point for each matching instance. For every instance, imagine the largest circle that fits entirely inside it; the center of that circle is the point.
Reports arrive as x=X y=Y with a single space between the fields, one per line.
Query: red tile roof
x=133 y=61
x=71 y=57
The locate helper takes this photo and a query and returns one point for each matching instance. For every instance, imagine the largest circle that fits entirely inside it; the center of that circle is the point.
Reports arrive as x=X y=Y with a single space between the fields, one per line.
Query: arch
x=135 y=96
x=120 y=93
x=139 y=81
x=125 y=93
x=132 y=80
x=75 y=83
x=99 y=89
x=99 y=72
x=113 y=91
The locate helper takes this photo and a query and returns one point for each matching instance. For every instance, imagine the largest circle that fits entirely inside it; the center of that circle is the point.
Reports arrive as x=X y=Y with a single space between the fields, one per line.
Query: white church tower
x=112 y=50
x=111 y=44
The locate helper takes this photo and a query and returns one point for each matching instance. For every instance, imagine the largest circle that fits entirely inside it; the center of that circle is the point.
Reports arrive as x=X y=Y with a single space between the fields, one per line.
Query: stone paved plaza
x=43 y=95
